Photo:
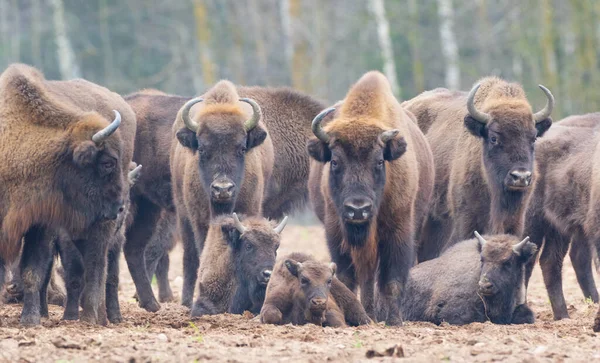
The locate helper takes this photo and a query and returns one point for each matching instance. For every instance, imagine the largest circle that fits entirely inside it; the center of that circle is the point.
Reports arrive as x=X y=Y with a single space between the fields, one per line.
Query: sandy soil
x=170 y=335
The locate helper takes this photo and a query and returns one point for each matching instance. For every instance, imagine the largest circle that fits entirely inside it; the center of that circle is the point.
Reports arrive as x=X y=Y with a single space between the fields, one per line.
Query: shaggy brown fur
x=53 y=174
x=399 y=188
x=471 y=171
x=232 y=266
x=289 y=301
x=564 y=204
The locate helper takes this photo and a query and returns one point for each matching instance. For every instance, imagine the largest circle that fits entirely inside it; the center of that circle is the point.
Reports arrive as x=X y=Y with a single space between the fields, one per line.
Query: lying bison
x=371 y=183
x=303 y=290
x=473 y=281
x=66 y=148
x=483 y=146
x=236 y=265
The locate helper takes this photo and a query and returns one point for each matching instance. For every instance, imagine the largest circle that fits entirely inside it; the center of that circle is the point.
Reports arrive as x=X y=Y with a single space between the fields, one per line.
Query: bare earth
x=170 y=335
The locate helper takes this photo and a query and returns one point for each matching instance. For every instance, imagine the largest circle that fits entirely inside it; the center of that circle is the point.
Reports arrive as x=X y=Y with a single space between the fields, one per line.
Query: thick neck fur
x=507 y=210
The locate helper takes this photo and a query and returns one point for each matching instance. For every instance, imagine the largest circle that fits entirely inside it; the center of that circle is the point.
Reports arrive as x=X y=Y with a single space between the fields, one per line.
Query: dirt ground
x=170 y=335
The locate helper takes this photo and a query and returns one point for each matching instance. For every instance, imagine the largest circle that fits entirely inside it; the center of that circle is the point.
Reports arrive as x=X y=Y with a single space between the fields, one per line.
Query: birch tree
x=203 y=37
x=449 y=44
x=66 y=56
x=415 y=45
x=385 y=43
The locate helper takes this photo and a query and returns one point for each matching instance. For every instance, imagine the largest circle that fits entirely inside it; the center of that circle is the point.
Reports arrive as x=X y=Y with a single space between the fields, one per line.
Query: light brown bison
x=236 y=265
x=565 y=203
x=66 y=147
x=303 y=290
x=483 y=146
x=371 y=182
x=475 y=280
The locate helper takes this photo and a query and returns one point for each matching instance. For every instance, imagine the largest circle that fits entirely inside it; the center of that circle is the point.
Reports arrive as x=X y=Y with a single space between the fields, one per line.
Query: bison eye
x=329 y=282
x=249 y=247
x=334 y=164
x=107 y=166
x=380 y=162
x=201 y=151
x=304 y=281
x=494 y=140
x=242 y=151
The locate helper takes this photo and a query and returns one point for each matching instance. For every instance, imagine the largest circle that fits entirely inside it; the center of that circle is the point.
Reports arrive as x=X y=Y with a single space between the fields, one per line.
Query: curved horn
x=134 y=175
x=547 y=110
x=256 y=115
x=103 y=134
x=519 y=246
x=388 y=135
x=482 y=117
x=185 y=114
x=316 y=125
x=238 y=225
x=482 y=241
x=281 y=225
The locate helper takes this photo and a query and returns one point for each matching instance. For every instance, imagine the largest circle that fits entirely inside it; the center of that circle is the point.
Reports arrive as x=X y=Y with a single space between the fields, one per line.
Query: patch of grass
x=198 y=337
x=588 y=301
x=357 y=342
x=154 y=280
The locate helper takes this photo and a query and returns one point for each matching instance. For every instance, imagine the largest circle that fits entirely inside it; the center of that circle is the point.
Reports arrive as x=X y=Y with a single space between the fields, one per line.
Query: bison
x=371 y=183
x=303 y=290
x=236 y=265
x=475 y=280
x=564 y=204
x=483 y=145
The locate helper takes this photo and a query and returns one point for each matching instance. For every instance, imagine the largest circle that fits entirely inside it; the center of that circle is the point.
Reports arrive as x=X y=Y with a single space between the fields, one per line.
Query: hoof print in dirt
x=396 y=351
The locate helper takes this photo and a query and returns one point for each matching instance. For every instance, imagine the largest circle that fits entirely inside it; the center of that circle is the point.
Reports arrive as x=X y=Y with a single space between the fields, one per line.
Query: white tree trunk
x=286 y=26
x=66 y=56
x=449 y=45
x=385 y=43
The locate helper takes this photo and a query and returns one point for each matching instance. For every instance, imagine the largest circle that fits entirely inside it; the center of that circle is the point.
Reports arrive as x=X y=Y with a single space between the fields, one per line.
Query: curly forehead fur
x=498 y=95
x=316 y=270
x=499 y=247
x=222 y=100
x=253 y=224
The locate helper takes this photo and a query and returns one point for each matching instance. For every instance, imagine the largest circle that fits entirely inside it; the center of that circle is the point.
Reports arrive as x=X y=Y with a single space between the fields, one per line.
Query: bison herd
x=402 y=189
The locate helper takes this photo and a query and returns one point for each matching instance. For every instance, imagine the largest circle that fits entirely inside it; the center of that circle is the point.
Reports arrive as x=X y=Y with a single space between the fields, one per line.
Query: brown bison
x=371 y=184
x=484 y=169
x=564 y=204
x=236 y=265
x=224 y=160
x=473 y=281
x=66 y=147
x=303 y=290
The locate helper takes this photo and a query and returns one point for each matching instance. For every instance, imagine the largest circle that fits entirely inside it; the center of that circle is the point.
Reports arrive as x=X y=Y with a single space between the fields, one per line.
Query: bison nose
x=266 y=274
x=486 y=288
x=358 y=210
x=318 y=303
x=520 y=178
x=222 y=189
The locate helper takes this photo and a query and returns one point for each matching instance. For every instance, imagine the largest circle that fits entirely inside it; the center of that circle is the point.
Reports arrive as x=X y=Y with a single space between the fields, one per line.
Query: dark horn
x=519 y=246
x=388 y=135
x=281 y=225
x=103 y=134
x=256 y=114
x=482 y=117
x=547 y=110
x=185 y=114
x=316 y=125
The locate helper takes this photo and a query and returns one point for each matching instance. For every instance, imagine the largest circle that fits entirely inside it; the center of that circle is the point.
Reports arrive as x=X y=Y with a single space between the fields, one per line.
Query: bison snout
x=486 y=288
x=519 y=179
x=358 y=210
x=116 y=209
x=318 y=304
x=222 y=190
x=265 y=276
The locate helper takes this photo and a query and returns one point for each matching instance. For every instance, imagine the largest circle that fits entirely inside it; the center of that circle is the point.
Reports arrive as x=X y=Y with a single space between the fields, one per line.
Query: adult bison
x=371 y=183
x=473 y=281
x=565 y=203
x=223 y=160
x=483 y=146
x=66 y=148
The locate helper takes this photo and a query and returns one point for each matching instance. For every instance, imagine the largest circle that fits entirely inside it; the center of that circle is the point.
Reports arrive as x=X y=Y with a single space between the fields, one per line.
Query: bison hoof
x=115 y=318
x=89 y=318
x=523 y=315
x=166 y=297
x=30 y=320
x=153 y=306
x=271 y=316
x=596 y=326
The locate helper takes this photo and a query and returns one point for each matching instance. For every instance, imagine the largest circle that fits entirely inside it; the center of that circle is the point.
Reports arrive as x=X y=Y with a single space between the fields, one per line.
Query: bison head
x=508 y=130
x=221 y=137
x=92 y=178
x=503 y=259
x=315 y=282
x=357 y=170
x=254 y=249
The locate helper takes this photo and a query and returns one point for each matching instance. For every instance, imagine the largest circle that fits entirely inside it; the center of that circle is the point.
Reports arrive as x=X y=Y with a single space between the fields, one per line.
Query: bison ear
x=527 y=251
x=394 y=149
x=475 y=127
x=543 y=126
x=318 y=150
x=85 y=153
x=255 y=137
x=294 y=267
x=187 y=138
x=231 y=235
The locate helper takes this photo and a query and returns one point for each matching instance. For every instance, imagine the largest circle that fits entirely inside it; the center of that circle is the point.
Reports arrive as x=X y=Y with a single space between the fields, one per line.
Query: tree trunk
x=548 y=52
x=385 y=43
x=286 y=27
x=203 y=37
x=15 y=42
x=66 y=56
x=415 y=47
x=449 y=44
x=483 y=36
x=36 y=33
x=107 y=52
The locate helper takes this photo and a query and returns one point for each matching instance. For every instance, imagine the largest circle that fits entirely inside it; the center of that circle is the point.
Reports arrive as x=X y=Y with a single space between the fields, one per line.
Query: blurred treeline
x=319 y=46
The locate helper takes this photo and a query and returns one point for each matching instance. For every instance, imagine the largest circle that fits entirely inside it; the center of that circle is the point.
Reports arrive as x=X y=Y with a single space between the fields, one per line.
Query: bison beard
x=357 y=234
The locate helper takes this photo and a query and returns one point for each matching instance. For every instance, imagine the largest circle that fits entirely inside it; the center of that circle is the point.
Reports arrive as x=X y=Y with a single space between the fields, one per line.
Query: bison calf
x=236 y=265
x=474 y=281
x=303 y=290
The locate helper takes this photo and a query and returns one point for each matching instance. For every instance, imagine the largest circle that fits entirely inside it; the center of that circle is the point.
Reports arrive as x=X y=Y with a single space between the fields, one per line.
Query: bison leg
x=94 y=251
x=334 y=319
x=165 y=294
x=73 y=265
x=551 y=262
x=271 y=314
x=434 y=237
x=157 y=256
x=523 y=315
x=36 y=262
x=345 y=268
x=354 y=312
x=581 y=258
x=191 y=262
x=2 y=275
x=113 y=310
x=138 y=235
